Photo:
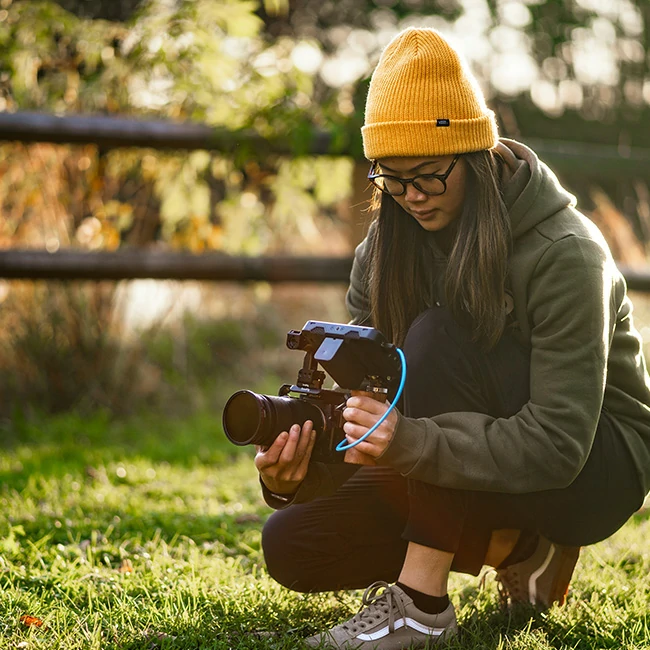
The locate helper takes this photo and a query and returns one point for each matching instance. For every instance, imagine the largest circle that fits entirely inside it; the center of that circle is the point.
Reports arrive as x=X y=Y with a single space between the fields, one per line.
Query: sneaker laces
x=483 y=578
x=504 y=594
x=375 y=604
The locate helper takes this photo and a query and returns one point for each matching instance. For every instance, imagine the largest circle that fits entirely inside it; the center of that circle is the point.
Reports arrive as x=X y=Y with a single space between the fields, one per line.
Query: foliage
x=193 y=59
x=115 y=10
x=278 y=68
x=65 y=355
x=282 y=69
x=241 y=63
x=146 y=534
x=190 y=59
x=583 y=55
x=130 y=348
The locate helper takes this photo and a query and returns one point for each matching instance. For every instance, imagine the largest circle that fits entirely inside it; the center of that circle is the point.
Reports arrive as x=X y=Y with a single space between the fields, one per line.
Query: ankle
x=522 y=550
x=502 y=543
x=425 y=602
x=426 y=569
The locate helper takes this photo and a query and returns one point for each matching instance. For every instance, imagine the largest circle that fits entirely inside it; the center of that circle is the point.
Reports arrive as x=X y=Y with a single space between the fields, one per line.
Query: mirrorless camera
x=357 y=358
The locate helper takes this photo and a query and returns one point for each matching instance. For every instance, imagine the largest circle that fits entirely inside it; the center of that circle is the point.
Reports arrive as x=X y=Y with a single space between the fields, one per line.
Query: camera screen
x=351 y=354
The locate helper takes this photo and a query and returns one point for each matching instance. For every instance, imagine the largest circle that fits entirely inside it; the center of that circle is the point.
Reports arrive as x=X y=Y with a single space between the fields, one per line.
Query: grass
x=145 y=534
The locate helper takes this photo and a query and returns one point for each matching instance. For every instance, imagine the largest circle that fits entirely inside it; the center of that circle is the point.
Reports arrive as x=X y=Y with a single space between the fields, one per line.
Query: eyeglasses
x=431 y=184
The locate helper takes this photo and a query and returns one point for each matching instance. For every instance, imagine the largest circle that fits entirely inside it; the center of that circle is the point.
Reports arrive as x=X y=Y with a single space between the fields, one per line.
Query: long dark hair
x=477 y=264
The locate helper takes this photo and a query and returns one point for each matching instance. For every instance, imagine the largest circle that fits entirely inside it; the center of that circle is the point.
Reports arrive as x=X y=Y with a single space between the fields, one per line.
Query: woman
x=524 y=431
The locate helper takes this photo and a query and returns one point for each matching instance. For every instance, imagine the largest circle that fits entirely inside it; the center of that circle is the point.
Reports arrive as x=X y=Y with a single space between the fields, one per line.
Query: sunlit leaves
x=236 y=17
x=194 y=58
x=215 y=62
x=276 y=7
x=184 y=192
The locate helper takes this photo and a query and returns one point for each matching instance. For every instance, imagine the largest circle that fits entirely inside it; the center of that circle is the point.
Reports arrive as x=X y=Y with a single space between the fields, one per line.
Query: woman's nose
x=414 y=194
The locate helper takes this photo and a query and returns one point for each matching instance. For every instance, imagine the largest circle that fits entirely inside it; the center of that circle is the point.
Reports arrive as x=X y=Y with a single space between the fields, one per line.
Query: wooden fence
x=114 y=132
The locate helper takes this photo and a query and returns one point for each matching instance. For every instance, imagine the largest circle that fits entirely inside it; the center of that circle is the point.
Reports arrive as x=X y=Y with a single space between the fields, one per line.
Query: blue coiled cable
x=344 y=447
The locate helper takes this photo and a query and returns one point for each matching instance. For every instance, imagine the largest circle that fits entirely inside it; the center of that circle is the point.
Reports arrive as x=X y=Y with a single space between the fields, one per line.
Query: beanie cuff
x=427 y=138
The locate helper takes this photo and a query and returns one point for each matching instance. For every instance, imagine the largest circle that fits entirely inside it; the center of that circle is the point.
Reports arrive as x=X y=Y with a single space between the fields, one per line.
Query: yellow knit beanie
x=424 y=101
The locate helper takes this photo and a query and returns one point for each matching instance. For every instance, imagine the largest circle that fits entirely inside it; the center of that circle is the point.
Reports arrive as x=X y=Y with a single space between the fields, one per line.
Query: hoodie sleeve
x=572 y=312
x=322 y=480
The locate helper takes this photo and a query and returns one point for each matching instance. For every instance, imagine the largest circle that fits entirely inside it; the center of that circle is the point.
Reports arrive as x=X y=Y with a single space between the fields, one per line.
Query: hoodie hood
x=532 y=192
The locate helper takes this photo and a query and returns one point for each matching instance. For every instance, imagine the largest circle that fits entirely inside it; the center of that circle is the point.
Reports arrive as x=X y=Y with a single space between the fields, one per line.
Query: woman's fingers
x=367 y=404
x=289 y=447
x=283 y=466
x=383 y=432
x=363 y=418
x=308 y=451
x=312 y=442
x=359 y=421
x=297 y=444
x=364 y=411
x=289 y=451
x=265 y=459
x=364 y=450
x=305 y=439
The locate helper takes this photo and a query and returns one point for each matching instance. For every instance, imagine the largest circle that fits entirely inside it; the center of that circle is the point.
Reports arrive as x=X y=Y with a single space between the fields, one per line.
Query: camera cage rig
x=356 y=357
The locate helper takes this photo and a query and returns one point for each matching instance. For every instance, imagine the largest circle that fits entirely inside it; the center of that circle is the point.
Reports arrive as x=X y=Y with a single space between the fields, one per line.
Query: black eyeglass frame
x=405 y=181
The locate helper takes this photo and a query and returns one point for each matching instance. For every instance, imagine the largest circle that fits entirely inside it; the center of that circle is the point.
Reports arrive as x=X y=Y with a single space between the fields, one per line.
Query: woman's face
x=433 y=213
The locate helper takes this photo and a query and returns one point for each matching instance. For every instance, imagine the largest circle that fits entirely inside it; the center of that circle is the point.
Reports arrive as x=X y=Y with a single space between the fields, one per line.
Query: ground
x=145 y=534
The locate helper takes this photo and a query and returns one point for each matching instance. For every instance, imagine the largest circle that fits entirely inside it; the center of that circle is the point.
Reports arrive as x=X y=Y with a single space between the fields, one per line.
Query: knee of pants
x=434 y=327
x=436 y=340
x=277 y=536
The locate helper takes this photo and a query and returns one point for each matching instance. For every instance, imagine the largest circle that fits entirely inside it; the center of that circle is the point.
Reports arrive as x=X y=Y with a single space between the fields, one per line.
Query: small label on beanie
x=442 y=122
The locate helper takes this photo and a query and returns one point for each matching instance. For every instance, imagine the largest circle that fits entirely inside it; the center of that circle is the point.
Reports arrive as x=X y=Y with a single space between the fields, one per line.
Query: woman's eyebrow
x=412 y=169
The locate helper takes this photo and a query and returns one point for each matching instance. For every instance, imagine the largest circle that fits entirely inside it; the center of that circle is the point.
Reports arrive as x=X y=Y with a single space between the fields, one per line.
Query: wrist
x=282 y=490
x=284 y=498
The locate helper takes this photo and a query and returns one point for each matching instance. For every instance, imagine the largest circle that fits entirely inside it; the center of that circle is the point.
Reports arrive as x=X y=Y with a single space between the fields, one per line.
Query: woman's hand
x=283 y=465
x=361 y=413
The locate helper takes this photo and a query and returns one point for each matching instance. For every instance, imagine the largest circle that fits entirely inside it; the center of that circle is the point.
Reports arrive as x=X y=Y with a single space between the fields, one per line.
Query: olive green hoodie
x=572 y=310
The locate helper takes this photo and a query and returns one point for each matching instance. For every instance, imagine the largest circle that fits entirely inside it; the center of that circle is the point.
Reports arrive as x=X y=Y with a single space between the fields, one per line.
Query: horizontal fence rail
x=216 y=267
x=115 y=132
x=637 y=279
x=138 y=264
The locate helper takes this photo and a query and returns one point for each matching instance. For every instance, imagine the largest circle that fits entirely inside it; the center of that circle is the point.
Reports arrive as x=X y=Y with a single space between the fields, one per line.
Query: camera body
x=358 y=358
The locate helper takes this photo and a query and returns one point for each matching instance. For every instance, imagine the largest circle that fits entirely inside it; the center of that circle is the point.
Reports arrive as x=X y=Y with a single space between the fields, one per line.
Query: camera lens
x=243 y=416
x=253 y=419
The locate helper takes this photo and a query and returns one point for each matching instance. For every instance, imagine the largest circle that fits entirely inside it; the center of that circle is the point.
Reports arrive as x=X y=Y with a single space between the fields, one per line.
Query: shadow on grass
x=116 y=535
x=488 y=629
x=68 y=478
x=70 y=443
x=225 y=622
x=524 y=626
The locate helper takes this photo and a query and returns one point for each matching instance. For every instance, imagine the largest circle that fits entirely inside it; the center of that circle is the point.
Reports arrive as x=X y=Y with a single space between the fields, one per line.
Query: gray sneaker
x=542 y=579
x=389 y=621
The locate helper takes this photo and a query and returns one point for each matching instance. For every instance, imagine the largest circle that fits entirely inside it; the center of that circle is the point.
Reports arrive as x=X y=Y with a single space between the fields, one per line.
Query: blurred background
x=570 y=77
